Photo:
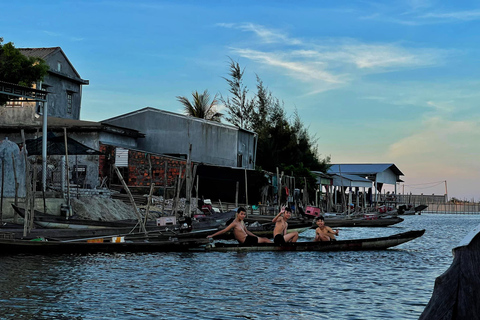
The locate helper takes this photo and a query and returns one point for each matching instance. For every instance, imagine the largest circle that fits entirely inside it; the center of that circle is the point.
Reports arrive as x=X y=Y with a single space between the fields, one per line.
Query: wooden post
x=3 y=184
x=246 y=192
x=179 y=188
x=27 y=186
x=149 y=200
x=164 y=185
x=67 y=176
x=196 y=189
x=236 y=195
x=34 y=187
x=15 y=214
x=188 y=183
x=279 y=190
x=142 y=228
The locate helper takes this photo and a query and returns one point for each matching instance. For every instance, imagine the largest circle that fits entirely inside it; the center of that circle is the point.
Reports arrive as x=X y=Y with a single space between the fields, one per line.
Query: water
x=394 y=284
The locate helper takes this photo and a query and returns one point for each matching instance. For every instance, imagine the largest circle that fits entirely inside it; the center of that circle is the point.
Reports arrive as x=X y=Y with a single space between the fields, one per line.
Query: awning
x=56 y=146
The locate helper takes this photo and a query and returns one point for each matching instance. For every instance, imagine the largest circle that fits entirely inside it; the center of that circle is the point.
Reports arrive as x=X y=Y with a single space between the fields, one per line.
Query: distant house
x=63 y=84
x=378 y=173
x=171 y=134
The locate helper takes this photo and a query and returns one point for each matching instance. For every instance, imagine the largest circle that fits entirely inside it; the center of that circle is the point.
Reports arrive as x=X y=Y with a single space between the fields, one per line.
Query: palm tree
x=201 y=106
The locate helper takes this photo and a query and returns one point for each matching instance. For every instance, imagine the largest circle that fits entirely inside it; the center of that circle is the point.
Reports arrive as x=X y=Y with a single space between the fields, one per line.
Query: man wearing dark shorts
x=279 y=240
x=250 y=241
x=280 y=235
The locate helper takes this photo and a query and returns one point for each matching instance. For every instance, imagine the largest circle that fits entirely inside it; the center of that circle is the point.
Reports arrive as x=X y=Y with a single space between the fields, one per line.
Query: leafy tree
x=18 y=69
x=282 y=142
x=239 y=107
x=201 y=106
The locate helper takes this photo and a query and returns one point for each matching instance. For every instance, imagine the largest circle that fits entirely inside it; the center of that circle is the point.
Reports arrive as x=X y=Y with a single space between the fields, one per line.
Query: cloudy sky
x=374 y=81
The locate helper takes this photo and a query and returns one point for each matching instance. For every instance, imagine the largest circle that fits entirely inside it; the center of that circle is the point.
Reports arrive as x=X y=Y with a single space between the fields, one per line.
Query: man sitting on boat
x=323 y=232
x=240 y=232
x=280 y=235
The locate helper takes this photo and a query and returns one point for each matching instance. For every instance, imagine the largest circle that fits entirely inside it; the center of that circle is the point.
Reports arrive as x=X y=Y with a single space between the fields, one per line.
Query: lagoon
x=395 y=283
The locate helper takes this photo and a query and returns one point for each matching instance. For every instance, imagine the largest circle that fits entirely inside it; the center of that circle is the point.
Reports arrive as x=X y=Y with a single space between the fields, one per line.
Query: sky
x=373 y=81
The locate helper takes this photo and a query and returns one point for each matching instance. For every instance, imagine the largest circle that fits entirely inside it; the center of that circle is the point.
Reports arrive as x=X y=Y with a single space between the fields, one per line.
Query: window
x=59 y=66
x=121 y=157
x=69 y=102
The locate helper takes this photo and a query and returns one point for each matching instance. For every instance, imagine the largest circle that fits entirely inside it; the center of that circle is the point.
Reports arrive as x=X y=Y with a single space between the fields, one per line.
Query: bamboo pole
x=149 y=200
x=27 y=186
x=67 y=176
x=142 y=228
x=236 y=195
x=164 y=184
x=3 y=184
x=246 y=192
x=179 y=188
x=15 y=214
x=196 y=189
x=188 y=183
x=34 y=187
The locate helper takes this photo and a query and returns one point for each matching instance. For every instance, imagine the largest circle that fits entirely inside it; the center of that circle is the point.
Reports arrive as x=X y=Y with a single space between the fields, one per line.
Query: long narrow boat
x=60 y=222
x=103 y=245
x=338 y=222
x=381 y=243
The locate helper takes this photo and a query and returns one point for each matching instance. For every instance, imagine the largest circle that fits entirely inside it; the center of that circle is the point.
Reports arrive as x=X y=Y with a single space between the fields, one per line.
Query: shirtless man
x=280 y=235
x=324 y=233
x=240 y=231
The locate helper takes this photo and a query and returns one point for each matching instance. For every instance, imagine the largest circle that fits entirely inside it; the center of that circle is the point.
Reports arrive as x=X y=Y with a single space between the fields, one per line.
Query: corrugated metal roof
x=43 y=53
x=364 y=168
x=155 y=110
x=350 y=180
x=38 y=52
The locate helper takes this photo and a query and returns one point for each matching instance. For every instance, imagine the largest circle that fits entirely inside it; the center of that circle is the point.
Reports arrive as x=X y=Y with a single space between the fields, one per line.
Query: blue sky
x=374 y=81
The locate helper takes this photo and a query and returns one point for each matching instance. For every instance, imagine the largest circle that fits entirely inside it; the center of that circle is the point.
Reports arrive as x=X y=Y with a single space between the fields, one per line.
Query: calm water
x=394 y=284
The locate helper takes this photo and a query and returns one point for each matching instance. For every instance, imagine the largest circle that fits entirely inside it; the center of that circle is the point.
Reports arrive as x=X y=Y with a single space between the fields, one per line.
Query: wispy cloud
x=61 y=35
x=267 y=35
x=304 y=70
x=329 y=63
x=458 y=15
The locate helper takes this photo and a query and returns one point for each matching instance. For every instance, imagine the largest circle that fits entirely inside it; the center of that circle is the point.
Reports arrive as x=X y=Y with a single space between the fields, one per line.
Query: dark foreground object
x=339 y=245
x=456 y=292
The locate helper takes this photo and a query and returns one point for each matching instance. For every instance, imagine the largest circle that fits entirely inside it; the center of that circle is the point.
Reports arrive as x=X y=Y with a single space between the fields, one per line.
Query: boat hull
x=340 y=245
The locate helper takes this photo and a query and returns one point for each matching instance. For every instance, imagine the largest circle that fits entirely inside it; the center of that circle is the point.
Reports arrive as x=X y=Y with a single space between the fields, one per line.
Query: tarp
x=56 y=146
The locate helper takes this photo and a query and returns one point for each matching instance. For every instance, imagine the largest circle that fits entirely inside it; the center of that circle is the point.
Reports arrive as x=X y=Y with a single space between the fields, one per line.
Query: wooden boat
x=338 y=221
x=381 y=243
x=106 y=245
x=60 y=222
x=380 y=222
x=410 y=210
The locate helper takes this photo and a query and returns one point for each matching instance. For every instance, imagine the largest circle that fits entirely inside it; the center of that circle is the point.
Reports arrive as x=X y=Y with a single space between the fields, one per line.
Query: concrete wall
x=170 y=133
x=58 y=84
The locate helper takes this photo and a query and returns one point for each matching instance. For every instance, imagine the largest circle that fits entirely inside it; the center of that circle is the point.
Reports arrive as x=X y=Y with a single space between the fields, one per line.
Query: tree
x=18 y=69
x=239 y=107
x=201 y=106
x=282 y=143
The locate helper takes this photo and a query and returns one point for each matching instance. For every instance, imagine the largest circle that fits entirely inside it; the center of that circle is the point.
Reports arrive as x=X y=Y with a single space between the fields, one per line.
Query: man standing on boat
x=280 y=235
x=240 y=231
